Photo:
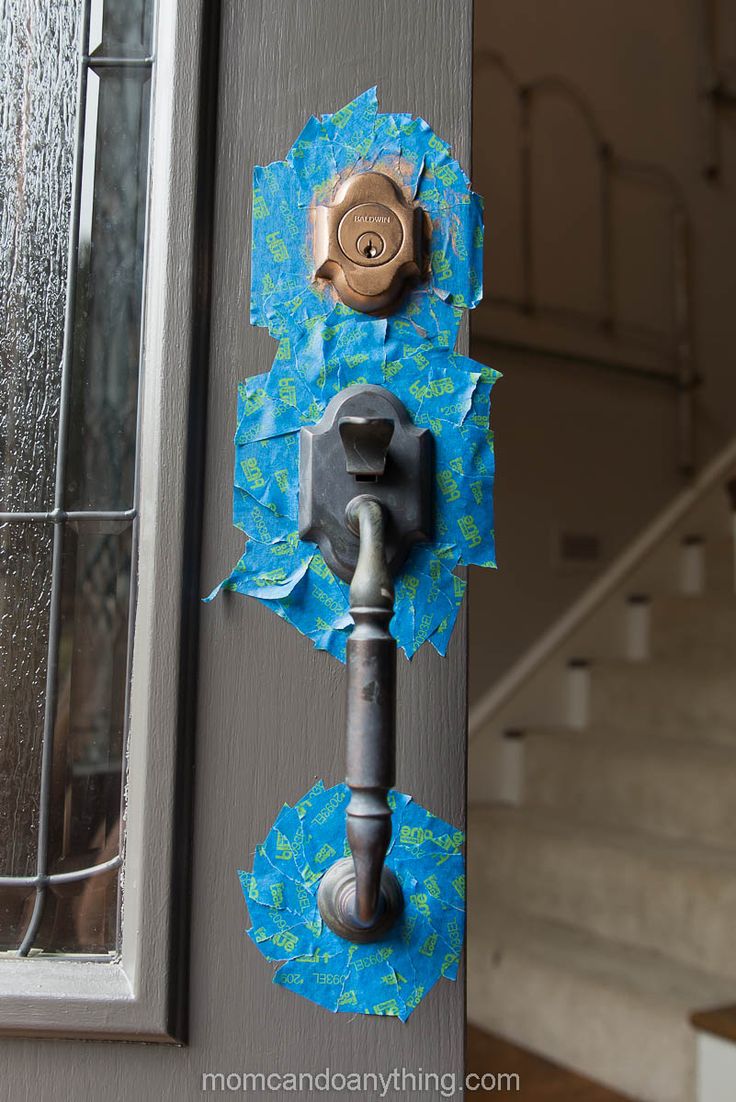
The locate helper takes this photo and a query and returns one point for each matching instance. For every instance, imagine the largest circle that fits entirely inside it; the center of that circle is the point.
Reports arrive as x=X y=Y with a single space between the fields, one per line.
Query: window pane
x=16 y=905
x=121 y=28
x=88 y=743
x=80 y=917
x=25 y=590
x=107 y=334
x=38 y=93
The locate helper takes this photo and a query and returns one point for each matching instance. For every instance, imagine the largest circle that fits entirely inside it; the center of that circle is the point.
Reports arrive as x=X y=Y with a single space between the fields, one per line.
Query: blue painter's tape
x=324 y=346
x=389 y=977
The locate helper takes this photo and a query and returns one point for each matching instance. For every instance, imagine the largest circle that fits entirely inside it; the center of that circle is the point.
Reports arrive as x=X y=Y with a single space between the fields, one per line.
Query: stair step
x=695 y=627
x=683 y=700
x=674 y=790
x=674 y=897
x=617 y=1014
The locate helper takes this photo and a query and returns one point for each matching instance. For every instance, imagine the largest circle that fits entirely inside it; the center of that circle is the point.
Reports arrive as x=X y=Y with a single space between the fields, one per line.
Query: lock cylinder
x=368 y=243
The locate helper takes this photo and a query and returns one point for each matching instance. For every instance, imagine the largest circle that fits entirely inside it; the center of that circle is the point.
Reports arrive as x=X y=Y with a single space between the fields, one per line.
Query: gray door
x=270 y=713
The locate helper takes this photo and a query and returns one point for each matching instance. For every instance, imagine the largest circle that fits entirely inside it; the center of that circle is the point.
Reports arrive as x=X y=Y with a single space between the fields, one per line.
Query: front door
x=270 y=709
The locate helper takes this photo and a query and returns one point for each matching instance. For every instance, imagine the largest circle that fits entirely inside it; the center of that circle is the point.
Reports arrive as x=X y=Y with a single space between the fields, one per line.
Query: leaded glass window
x=76 y=91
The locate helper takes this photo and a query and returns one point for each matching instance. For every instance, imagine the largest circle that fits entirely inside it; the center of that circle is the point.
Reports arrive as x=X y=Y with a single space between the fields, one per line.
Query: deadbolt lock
x=368 y=242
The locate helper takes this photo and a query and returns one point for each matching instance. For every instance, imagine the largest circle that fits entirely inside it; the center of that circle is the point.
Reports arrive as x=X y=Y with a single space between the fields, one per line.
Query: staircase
x=602 y=838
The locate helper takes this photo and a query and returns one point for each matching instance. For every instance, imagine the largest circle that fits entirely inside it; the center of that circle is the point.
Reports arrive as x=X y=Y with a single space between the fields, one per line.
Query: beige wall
x=579 y=449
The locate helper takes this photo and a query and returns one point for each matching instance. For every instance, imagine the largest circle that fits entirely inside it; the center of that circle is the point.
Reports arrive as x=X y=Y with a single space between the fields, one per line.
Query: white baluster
x=692 y=566
x=731 y=491
x=578 y=693
x=637 y=644
x=512 y=767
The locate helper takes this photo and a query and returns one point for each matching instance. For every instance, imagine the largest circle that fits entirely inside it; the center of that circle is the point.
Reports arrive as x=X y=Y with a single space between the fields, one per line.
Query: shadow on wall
x=587 y=453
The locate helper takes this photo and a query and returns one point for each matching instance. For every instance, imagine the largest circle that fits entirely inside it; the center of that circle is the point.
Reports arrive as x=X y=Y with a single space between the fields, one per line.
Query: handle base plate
x=326 y=486
x=336 y=901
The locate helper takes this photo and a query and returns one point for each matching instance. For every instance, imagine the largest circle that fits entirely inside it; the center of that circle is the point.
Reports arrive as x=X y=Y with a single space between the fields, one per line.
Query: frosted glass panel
x=25 y=589
x=38 y=93
x=65 y=576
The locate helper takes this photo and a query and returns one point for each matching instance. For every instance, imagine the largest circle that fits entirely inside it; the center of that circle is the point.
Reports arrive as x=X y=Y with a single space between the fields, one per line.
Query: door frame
x=141 y=995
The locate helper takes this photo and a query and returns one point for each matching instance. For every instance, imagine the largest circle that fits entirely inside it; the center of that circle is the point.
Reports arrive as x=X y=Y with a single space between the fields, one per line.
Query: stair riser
x=719 y=568
x=638 y=1047
x=684 y=910
x=690 y=629
x=666 y=795
x=683 y=708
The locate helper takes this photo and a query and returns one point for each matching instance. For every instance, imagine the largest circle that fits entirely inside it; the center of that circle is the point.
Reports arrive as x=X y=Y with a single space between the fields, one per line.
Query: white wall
x=579 y=449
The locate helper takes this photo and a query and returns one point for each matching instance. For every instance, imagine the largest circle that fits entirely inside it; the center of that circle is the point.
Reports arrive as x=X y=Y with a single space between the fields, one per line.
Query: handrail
x=616 y=367
x=601 y=589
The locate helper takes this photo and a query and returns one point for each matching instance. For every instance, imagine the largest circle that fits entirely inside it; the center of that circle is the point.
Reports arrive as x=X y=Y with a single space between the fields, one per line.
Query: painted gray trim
x=130 y=997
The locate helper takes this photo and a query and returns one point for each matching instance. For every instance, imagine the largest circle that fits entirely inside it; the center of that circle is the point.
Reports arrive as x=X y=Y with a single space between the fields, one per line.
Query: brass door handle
x=366 y=441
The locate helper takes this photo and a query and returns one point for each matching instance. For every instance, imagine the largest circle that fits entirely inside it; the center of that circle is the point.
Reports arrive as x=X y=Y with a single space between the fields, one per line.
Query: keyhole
x=370 y=245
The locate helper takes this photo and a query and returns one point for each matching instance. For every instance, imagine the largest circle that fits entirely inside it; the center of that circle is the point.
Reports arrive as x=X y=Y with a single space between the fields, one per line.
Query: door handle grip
x=371 y=725
x=359 y=897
